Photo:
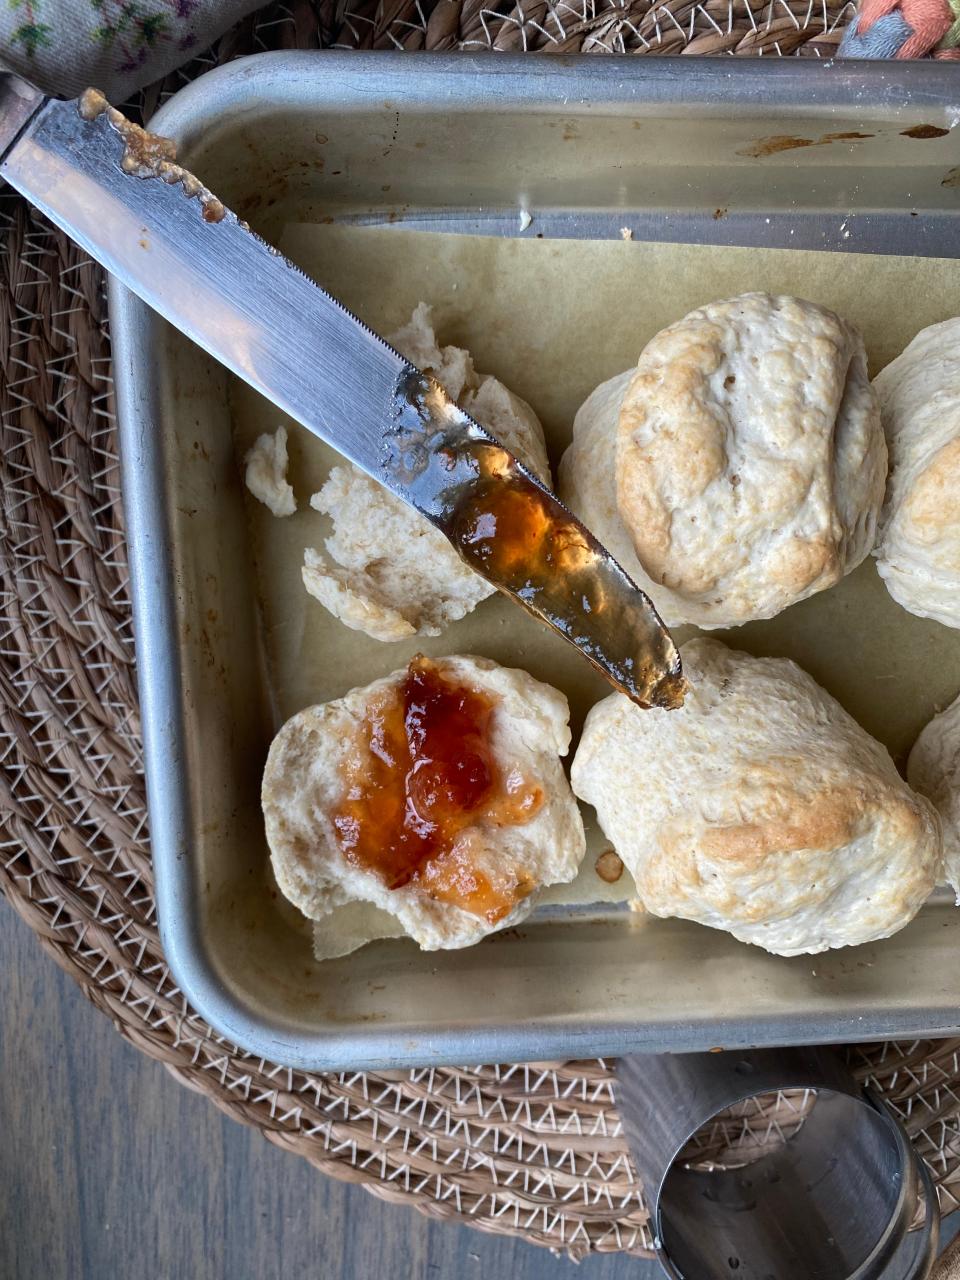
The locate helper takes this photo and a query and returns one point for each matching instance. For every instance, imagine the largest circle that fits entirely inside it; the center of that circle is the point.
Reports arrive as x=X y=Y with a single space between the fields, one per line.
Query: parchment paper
x=552 y=319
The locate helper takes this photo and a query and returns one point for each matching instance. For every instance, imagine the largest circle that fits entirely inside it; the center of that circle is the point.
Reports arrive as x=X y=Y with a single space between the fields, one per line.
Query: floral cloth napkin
x=118 y=46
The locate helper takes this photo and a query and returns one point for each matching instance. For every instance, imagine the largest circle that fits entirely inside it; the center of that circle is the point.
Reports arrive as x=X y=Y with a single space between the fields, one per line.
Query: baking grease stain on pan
x=924 y=131
x=778 y=142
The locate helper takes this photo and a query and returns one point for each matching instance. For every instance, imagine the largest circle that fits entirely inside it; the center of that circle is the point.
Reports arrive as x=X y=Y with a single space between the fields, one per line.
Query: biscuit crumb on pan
x=265 y=472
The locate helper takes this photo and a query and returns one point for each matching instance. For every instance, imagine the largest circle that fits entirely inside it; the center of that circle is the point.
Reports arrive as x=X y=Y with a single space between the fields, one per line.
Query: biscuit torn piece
x=388 y=572
x=523 y=831
x=918 y=551
x=391 y=574
x=353 y=597
x=759 y=807
x=740 y=467
x=265 y=473
x=933 y=769
x=451 y=366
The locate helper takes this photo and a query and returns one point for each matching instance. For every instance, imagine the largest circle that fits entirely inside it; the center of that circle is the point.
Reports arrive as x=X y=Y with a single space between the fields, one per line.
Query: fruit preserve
x=421 y=778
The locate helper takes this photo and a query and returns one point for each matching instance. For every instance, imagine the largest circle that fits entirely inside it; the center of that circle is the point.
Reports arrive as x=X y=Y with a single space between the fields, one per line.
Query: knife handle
x=19 y=103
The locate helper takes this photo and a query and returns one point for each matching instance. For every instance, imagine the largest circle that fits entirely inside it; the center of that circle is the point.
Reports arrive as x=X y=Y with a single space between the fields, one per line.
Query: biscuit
x=933 y=769
x=740 y=467
x=759 y=807
x=918 y=552
x=307 y=781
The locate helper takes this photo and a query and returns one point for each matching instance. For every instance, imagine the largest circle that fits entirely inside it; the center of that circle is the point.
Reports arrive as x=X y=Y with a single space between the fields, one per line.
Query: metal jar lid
x=835 y=1201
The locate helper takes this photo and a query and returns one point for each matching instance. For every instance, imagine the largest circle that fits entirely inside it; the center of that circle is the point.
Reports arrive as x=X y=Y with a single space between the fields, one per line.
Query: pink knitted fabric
x=929 y=21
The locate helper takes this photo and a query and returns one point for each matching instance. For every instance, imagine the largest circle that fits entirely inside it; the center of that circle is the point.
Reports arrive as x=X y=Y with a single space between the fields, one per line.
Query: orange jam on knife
x=422 y=775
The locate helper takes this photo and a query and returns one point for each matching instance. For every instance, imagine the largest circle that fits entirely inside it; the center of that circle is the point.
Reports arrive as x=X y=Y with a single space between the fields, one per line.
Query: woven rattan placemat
x=529 y=1149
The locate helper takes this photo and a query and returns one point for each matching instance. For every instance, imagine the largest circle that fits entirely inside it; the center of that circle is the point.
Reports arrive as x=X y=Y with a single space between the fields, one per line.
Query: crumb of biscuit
x=609 y=866
x=265 y=472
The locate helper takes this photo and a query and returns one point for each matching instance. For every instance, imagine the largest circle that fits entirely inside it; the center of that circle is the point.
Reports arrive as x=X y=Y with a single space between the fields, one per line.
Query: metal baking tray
x=445 y=142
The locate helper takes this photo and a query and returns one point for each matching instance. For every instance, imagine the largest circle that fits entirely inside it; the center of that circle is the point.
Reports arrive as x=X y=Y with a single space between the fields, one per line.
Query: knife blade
x=119 y=193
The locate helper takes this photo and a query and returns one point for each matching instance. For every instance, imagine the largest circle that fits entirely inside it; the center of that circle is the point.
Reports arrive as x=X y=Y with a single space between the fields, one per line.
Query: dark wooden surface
x=109 y=1169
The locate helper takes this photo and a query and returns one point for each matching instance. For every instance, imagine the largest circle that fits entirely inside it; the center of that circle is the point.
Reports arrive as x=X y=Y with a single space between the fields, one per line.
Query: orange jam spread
x=510 y=527
x=422 y=776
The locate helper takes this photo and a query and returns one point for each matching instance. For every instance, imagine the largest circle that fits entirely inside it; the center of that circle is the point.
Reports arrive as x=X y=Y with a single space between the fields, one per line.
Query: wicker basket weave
x=715 y=27
x=699 y=27
x=534 y=1150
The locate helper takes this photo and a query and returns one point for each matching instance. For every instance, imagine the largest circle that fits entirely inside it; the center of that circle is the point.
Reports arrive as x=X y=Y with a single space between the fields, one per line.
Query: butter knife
x=119 y=193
